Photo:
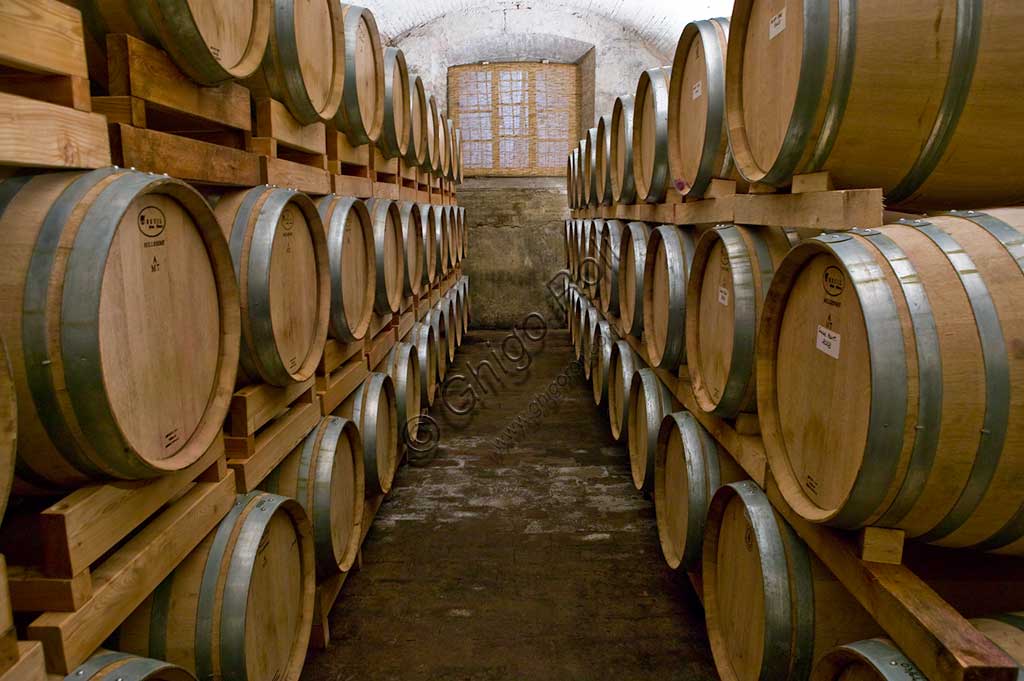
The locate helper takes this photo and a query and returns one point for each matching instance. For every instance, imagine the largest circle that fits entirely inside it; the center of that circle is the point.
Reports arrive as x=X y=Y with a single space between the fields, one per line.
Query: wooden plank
x=708 y=211
x=146 y=72
x=285 y=173
x=349 y=185
x=881 y=545
x=337 y=353
x=8 y=636
x=33 y=591
x=128 y=576
x=31 y=664
x=274 y=120
x=255 y=405
x=386 y=190
x=342 y=383
x=81 y=527
x=834 y=210
x=253 y=458
x=942 y=644
x=39 y=134
x=69 y=91
x=42 y=35
x=185 y=158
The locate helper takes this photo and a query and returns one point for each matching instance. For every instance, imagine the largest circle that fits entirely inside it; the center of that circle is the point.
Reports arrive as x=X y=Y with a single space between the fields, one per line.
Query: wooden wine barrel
x=451 y=324
x=304 y=66
x=143 y=290
x=433 y=160
x=608 y=284
x=374 y=408
x=604 y=339
x=428 y=228
x=698 y=140
x=386 y=217
x=593 y=269
x=650 y=135
x=250 y=584
x=8 y=426
x=416 y=147
x=456 y=309
x=394 y=134
x=730 y=274
x=649 y=403
x=462 y=294
x=932 y=115
x=590 y=167
x=772 y=608
x=570 y=248
x=583 y=312
x=412 y=239
x=453 y=236
x=570 y=178
x=922 y=320
x=666 y=273
x=449 y=130
x=325 y=475
x=878 y=659
x=589 y=345
x=602 y=161
x=423 y=338
x=108 y=665
x=353 y=265
x=439 y=324
x=587 y=270
x=566 y=232
x=442 y=234
x=622 y=366
x=361 y=114
x=457 y=166
x=404 y=368
x=689 y=467
x=621 y=153
x=211 y=42
x=446 y=146
x=279 y=250
x=576 y=301
x=632 y=260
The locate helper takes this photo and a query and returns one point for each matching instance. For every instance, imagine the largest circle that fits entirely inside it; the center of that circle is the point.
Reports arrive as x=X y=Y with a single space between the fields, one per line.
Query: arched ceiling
x=655 y=22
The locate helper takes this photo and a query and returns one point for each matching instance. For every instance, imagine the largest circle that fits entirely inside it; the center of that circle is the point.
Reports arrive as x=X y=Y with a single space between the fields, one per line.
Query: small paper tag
x=828 y=342
x=698 y=89
x=777 y=24
x=723 y=295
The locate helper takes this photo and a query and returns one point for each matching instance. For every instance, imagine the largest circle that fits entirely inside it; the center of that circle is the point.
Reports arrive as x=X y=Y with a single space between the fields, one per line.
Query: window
x=516 y=119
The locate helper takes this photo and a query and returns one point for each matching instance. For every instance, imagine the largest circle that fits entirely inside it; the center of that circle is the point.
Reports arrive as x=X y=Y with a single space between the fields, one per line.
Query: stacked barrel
x=880 y=369
x=139 y=309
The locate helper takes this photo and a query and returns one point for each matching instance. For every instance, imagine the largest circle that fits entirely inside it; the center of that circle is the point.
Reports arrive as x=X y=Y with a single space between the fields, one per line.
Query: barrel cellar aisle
x=535 y=563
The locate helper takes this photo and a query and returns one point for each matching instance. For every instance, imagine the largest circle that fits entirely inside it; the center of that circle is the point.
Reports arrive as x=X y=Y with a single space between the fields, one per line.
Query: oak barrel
x=211 y=42
x=731 y=271
x=590 y=167
x=589 y=346
x=451 y=325
x=772 y=608
x=689 y=467
x=608 y=285
x=442 y=233
x=423 y=338
x=649 y=402
x=386 y=218
x=604 y=339
x=650 y=135
x=361 y=114
x=353 y=265
x=439 y=323
x=416 y=147
x=570 y=178
x=8 y=427
x=403 y=366
x=431 y=258
x=412 y=239
x=279 y=250
x=878 y=659
x=926 y=82
x=621 y=154
x=922 y=322
x=448 y=163
x=698 y=140
x=581 y=326
x=433 y=160
x=374 y=408
x=632 y=260
x=622 y=366
x=461 y=294
x=602 y=161
x=325 y=475
x=108 y=665
x=666 y=272
x=143 y=298
x=394 y=135
x=453 y=236
x=239 y=606
x=304 y=64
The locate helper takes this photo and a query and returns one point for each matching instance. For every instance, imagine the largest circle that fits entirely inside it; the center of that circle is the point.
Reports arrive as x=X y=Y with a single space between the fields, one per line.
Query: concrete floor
x=539 y=562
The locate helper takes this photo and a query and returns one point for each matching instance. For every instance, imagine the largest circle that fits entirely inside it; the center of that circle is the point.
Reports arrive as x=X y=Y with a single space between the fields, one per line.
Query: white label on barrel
x=777 y=24
x=698 y=89
x=723 y=295
x=828 y=342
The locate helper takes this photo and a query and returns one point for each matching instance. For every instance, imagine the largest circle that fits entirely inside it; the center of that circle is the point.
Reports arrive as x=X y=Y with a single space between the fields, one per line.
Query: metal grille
x=517 y=118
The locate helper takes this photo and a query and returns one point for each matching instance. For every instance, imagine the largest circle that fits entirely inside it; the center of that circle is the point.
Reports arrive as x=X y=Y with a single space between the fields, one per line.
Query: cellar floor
x=536 y=562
